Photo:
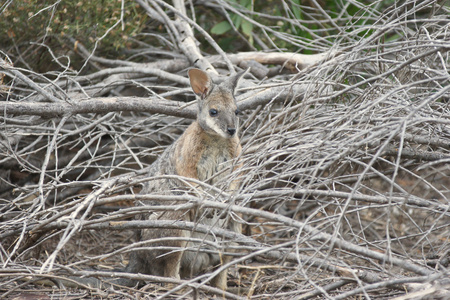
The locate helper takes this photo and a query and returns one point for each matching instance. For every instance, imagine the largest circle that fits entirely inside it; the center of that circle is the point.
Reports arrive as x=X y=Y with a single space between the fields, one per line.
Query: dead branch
x=98 y=106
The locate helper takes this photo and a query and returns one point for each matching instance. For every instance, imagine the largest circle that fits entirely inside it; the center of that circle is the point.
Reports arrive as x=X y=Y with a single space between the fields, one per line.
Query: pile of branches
x=345 y=181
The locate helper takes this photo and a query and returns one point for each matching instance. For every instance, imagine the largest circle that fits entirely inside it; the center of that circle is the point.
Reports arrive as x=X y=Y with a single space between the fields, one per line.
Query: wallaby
x=207 y=152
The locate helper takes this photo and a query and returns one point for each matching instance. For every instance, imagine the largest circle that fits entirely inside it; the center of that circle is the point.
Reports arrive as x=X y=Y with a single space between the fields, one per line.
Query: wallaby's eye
x=213 y=112
x=237 y=112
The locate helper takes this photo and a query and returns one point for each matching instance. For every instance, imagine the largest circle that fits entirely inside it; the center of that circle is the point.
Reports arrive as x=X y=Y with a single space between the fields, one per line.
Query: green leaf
x=221 y=28
x=246 y=3
x=237 y=20
x=247 y=27
x=296 y=9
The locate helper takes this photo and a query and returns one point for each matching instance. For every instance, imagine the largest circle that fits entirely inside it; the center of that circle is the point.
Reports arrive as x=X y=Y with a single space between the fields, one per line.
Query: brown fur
x=204 y=152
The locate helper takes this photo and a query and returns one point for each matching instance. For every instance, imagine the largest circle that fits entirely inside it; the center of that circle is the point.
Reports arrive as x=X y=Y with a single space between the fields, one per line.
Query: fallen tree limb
x=292 y=61
x=151 y=105
x=99 y=106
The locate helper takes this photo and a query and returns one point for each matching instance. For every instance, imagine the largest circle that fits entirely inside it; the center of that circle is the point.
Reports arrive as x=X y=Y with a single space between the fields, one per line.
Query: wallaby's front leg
x=220 y=281
x=171 y=265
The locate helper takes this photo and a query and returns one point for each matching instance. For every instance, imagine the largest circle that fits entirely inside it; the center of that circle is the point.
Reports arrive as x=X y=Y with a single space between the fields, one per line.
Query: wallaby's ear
x=201 y=83
x=232 y=82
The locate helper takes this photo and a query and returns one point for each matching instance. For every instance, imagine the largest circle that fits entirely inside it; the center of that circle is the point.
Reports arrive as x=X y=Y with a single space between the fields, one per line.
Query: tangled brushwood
x=345 y=132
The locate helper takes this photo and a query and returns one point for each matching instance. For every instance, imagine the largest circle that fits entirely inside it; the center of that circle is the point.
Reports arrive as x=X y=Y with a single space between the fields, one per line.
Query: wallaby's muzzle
x=231 y=131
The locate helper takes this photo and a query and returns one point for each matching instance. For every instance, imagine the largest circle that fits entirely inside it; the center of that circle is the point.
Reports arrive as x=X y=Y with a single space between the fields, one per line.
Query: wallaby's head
x=217 y=110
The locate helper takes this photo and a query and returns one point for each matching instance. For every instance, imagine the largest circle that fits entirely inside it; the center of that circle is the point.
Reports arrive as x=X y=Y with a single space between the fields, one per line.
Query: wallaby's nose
x=231 y=131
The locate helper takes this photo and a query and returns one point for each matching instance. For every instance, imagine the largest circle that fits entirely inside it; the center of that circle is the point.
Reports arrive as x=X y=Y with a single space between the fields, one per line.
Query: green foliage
x=306 y=22
x=239 y=23
x=50 y=22
x=221 y=28
x=294 y=25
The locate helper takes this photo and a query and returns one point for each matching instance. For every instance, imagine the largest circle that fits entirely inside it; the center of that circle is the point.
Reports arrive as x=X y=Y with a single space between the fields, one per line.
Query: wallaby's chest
x=214 y=163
